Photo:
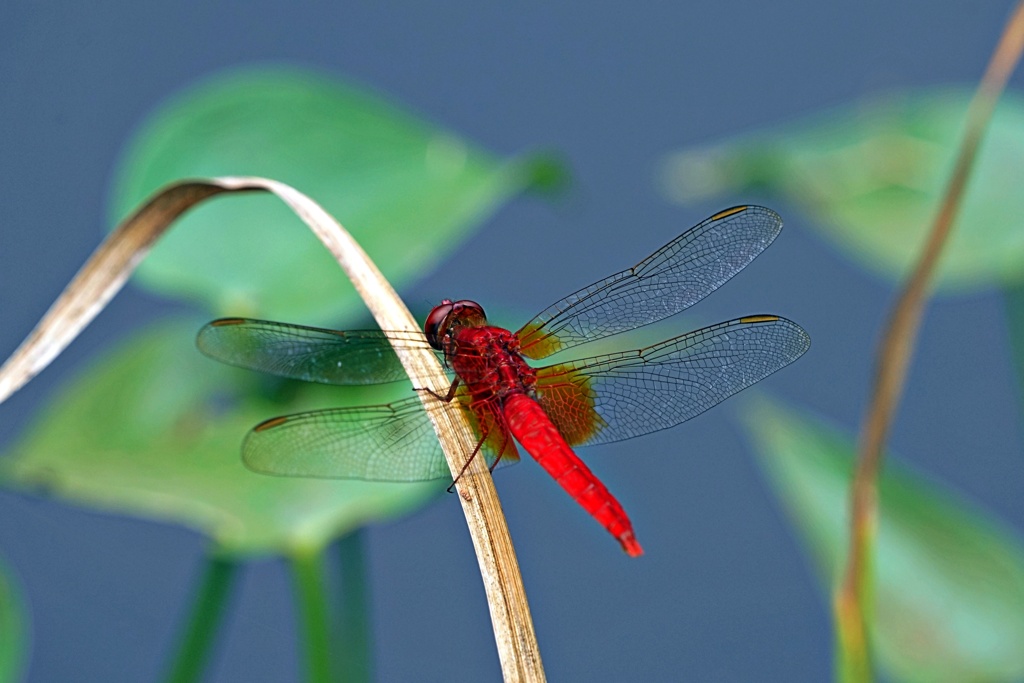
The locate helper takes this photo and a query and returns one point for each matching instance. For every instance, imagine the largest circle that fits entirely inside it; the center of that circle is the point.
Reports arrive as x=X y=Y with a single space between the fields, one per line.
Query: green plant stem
x=196 y=641
x=312 y=608
x=353 y=611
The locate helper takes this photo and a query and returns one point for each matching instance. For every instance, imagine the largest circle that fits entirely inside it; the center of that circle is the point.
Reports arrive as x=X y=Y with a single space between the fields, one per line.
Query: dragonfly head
x=448 y=314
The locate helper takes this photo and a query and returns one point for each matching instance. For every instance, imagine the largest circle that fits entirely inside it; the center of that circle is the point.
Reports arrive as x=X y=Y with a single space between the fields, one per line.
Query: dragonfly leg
x=447 y=398
x=479 y=445
x=487 y=420
x=504 y=445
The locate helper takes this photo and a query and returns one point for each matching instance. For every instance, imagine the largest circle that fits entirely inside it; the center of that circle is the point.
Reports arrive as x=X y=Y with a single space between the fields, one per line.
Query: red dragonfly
x=548 y=410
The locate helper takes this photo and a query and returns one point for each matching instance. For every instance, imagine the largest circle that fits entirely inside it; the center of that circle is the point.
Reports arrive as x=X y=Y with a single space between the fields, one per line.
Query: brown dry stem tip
x=893 y=358
x=109 y=267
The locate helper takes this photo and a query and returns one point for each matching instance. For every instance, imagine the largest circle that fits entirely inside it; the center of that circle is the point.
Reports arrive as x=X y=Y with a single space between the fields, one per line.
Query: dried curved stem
x=111 y=264
x=852 y=597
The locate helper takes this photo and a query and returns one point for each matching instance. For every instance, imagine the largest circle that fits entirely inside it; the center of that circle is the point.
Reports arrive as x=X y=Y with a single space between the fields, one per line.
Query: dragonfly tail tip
x=631 y=545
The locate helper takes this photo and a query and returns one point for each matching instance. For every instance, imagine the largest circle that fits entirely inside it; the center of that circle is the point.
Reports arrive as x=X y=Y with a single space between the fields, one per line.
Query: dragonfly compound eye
x=434 y=326
x=469 y=310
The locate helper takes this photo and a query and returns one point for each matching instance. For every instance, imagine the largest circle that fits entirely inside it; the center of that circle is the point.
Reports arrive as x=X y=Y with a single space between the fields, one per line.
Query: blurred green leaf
x=154 y=430
x=13 y=638
x=407 y=191
x=871 y=175
x=949 y=580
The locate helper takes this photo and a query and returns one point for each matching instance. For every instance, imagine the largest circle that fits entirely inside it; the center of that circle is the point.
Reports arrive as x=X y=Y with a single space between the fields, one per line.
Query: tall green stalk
x=353 y=618
x=197 y=639
x=312 y=607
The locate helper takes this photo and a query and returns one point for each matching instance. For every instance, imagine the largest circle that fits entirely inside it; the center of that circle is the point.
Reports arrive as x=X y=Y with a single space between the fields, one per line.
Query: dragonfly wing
x=394 y=442
x=622 y=395
x=675 y=277
x=307 y=353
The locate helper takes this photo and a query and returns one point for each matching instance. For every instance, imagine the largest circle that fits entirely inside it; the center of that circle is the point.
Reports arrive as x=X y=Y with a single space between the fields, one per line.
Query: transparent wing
x=675 y=277
x=394 y=442
x=307 y=353
x=621 y=395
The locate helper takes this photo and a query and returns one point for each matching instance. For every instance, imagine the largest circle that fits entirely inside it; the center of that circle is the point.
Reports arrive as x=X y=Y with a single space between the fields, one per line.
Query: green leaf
x=13 y=636
x=949 y=581
x=154 y=430
x=407 y=190
x=871 y=176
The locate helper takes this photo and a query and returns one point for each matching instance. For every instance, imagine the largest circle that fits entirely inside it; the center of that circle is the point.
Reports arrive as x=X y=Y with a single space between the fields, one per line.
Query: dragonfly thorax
x=487 y=360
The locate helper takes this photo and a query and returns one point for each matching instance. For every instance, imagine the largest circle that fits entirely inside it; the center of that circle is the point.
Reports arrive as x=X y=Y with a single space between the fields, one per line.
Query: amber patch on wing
x=269 y=424
x=224 y=322
x=536 y=343
x=728 y=212
x=759 y=319
x=566 y=397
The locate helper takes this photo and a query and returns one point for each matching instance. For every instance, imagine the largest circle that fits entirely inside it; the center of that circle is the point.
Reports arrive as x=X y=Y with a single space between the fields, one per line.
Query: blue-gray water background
x=724 y=593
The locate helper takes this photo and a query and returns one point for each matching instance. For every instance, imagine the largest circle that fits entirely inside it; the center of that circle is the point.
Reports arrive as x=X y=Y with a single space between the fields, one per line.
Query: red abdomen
x=531 y=426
